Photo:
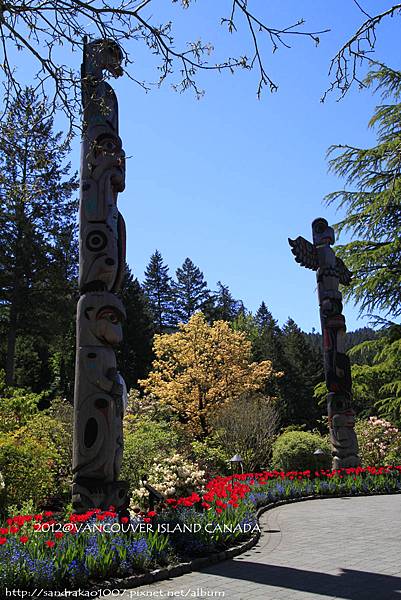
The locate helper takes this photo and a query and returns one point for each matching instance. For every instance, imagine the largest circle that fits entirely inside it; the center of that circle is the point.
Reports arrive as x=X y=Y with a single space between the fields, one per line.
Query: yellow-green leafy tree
x=200 y=368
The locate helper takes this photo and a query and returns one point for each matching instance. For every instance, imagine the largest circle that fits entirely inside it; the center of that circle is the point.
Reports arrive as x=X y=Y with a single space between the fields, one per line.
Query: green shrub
x=293 y=451
x=57 y=438
x=145 y=442
x=24 y=508
x=27 y=468
x=17 y=406
x=248 y=426
x=394 y=456
x=33 y=445
x=211 y=456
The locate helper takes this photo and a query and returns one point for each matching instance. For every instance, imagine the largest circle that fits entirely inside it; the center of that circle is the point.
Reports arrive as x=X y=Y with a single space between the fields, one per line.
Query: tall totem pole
x=331 y=271
x=100 y=391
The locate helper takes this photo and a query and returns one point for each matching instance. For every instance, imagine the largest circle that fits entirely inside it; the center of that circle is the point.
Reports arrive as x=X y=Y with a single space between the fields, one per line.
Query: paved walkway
x=343 y=548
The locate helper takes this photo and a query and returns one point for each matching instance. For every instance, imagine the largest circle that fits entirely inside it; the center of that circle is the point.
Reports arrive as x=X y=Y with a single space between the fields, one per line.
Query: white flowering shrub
x=172 y=476
x=2 y=492
x=379 y=442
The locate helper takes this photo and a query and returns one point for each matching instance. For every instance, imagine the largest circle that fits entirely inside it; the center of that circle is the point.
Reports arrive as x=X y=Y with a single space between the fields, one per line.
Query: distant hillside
x=353 y=338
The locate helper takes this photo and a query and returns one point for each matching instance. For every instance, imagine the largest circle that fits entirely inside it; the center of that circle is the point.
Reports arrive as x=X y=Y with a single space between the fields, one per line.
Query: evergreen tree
x=135 y=355
x=373 y=204
x=245 y=322
x=38 y=248
x=301 y=365
x=304 y=372
x=267 y=346
x=223 y=306
x=158 y=289
x=264 y=317
x=190 y=291
x=376 y=376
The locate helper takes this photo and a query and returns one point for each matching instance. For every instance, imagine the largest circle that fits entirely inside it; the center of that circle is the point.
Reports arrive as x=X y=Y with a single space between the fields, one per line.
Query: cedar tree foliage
x=372 y=204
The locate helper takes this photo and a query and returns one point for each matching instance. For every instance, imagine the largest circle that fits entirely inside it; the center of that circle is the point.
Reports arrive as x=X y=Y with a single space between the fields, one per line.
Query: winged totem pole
x=331 y=271
x=100 y=391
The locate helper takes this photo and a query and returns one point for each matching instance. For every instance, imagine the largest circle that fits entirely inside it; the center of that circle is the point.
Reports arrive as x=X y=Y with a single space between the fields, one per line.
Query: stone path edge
x=172 y=571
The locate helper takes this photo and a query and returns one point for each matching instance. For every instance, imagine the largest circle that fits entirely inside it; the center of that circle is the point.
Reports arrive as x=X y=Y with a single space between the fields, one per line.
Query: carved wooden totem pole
x=331 y=271
x=100 y=391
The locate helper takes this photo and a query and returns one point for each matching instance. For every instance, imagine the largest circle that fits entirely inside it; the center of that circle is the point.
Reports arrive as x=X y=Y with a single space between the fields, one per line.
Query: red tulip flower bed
x=42 y=551
x=258 y=488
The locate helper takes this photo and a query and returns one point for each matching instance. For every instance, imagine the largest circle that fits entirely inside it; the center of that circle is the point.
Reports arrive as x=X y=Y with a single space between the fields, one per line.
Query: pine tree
x=38 y=248
x=264 y=317
x=190 y=291
x=301 y=365
x=223 y=306
x=135 y=352
x=267 y=346
x=245 y=322
x=304 y=372
x=373 y=204
x=158 y=289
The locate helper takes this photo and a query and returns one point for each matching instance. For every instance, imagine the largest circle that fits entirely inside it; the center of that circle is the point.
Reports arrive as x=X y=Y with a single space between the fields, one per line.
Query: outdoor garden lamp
x=236 y=459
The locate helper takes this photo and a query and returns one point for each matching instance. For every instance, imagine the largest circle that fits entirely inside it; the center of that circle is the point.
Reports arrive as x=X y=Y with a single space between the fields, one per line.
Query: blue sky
x=227 y=179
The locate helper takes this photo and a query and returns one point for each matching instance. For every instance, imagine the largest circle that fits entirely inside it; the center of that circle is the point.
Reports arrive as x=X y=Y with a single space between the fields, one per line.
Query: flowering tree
x=200 y=368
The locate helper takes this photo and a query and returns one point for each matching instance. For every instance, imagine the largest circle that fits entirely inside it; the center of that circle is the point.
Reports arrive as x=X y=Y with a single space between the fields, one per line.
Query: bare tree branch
x=42 y=27
x=346 y=64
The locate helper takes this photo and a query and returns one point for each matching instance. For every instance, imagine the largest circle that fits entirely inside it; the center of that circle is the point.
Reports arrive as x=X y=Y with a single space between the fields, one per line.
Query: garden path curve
x=342 y=548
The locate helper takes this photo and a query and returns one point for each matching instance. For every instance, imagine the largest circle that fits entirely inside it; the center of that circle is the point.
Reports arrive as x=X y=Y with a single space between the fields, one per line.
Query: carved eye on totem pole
x=115 y=58
x=106 y=145
x=100 y=256
x=103 y=314
x=109 y=325
x=106 y=157
x=107 y=54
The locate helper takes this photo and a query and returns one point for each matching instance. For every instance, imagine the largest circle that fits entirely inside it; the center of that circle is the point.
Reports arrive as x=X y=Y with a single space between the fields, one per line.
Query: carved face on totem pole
x=102 y=226
x=323 y=234
x=101 y=315
x=100 y=413
x=342 y=433
x=102 y=55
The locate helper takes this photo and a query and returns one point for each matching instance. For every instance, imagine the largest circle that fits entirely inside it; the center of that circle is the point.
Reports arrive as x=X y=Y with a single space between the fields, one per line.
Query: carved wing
x=344 y=274
x=305 y=253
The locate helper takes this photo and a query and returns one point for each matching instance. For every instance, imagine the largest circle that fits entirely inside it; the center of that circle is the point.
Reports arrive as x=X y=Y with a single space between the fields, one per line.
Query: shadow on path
x=349 y=584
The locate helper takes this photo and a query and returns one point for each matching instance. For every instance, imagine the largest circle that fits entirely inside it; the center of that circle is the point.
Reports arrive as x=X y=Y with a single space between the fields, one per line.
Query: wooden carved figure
x=100 y=392
x=331 y=271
